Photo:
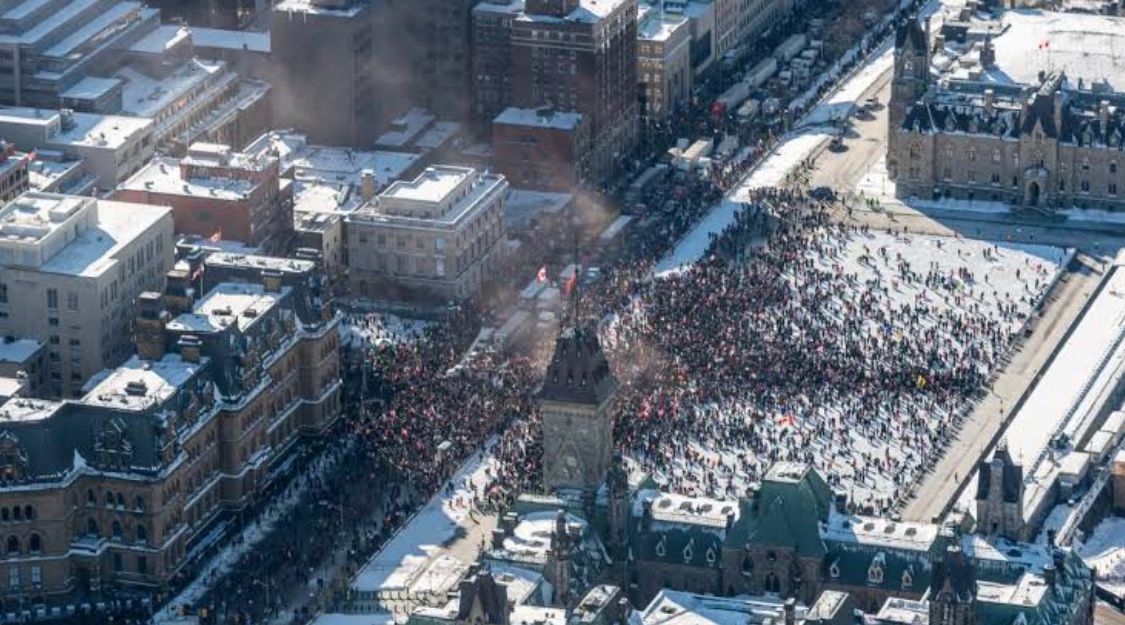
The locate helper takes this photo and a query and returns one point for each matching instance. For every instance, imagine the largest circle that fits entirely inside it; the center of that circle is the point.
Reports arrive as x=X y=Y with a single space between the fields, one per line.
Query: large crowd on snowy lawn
x=799 y=338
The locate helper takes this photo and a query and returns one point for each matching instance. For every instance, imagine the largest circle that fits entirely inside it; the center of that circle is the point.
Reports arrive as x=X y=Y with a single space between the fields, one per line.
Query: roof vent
x=136 y=388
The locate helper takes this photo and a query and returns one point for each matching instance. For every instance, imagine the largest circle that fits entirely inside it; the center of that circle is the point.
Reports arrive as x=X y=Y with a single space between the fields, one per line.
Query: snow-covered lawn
x=873 y=455
x=380 y=328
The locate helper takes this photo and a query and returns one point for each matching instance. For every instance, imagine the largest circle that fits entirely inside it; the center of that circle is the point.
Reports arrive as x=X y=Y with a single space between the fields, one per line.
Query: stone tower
x=617 y=491
x=999 y=499
x=558 y=560
x=574 y=405
x=952 y=589
x=911 y=78
x=482 y=600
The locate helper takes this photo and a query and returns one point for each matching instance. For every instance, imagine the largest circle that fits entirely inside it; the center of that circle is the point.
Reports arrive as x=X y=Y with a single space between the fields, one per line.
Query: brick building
x=214 y=191
x=541 y=149
x=492 y=59
x=581 y=56
x=118 y=488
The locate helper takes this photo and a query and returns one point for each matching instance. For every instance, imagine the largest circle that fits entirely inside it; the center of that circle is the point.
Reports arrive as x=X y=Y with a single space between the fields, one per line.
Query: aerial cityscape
x=562 y=312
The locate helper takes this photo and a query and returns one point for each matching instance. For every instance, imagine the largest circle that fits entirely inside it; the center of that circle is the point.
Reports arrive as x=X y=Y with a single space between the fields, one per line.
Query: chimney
x=367 y=184
x=1049 y=575
x=179 y=294
x=151 y=321
x=989 y=101
x=790 y=611
x=1103 y=115
x=271 y=280
x=189 y=346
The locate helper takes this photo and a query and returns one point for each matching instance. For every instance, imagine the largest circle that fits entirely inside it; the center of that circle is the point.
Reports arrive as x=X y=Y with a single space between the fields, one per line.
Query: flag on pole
x=542 y=275
x=571 y=283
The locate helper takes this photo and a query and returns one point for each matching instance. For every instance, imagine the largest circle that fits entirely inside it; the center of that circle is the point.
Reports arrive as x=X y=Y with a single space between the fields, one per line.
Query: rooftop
x=231 y=39
x=330 y=8
x=69 y=46
x=94 y=251
x=674 y=508
x=161 y=39
x=226 y=304
x=147 y=96
x=18 y=350
x=23 y=409
x=531 y=537
x=432 y=185
x=80 y=129
x=880 y=532
x=588 y=12
x=33 y=215
x=90 y=88
x=141 y=384
x=540 y=118
x=276 y=263
x=163 y=175
x=511 y=7
x=671 y=607
x=660 y=26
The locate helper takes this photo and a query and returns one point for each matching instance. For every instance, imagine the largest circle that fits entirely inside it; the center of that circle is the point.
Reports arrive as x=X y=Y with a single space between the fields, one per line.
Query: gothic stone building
x=1041 y=146
x=123 y=487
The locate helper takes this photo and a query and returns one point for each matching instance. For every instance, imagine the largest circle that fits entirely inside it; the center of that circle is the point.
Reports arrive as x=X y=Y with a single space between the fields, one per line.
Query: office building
x=436 y=238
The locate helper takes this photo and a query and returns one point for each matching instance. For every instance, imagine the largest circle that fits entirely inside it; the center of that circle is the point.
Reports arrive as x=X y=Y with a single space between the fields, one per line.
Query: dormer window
x=875 y=573
x=834 y=570
x=907 y=579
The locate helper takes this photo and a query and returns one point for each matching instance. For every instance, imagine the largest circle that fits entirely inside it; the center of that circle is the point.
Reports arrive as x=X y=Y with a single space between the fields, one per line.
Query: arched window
x=142 y=534
x=120 y=500
x=108 y=499
x=35 y=543
x=91 y=527
x=116 y=527
x=28 y=513
x=90 y=499
x=139 y=503
x=5 y=515
x=13 y=546
x=747 y=565
x=17 y=513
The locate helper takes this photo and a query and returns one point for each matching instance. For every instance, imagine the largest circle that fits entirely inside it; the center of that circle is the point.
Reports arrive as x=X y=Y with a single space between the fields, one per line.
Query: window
x=72 y=301
x=117 y=563
x=36 y=575
x=1113 y=188
x=116 y=528
x=13 y=548
x=142 y=534
x=139 y=503
x=35 y=543
x=14 y=577
x=91 y=527
x=90 y=499
x=52 y=298
x=142 y=565
x=972 y=154
x=1113 y=167
x=3 y=293
x=1085 y=186
x=109 y=500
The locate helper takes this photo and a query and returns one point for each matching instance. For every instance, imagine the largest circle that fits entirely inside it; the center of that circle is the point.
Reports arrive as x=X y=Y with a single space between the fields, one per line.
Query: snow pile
x=381 y=328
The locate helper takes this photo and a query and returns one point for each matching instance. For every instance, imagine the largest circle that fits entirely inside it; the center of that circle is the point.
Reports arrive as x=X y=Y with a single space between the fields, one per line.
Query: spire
x=579 y=372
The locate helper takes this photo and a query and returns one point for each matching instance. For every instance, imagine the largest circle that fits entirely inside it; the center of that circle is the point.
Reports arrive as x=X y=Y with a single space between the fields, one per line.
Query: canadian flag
x=542 y=275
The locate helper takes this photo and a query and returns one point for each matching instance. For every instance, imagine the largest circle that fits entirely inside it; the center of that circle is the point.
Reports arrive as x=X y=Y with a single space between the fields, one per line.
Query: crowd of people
x=830 y=347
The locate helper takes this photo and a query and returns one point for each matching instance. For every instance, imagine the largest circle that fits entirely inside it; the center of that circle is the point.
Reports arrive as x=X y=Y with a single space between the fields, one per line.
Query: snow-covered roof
x=23 y=409
x=92 y=129
x=513 y=7
x=540 y=118
x=163 y=175
x=880 y=532
x=95 y=251
x=161 y=39
x=660 y=26
x=673 y=607
x=257 y=261
x=675 y=508
x=225 y=304
x=83 y=34
x=140 y=384
x=339 y=8
x=1090 y=47
x=231 y=39
x=90 y=88
x=147 y=96
x=531 y=537
x=19 y=350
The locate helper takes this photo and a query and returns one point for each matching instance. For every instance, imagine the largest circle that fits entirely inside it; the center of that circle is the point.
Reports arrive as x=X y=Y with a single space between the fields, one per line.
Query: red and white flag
x=542 y=275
